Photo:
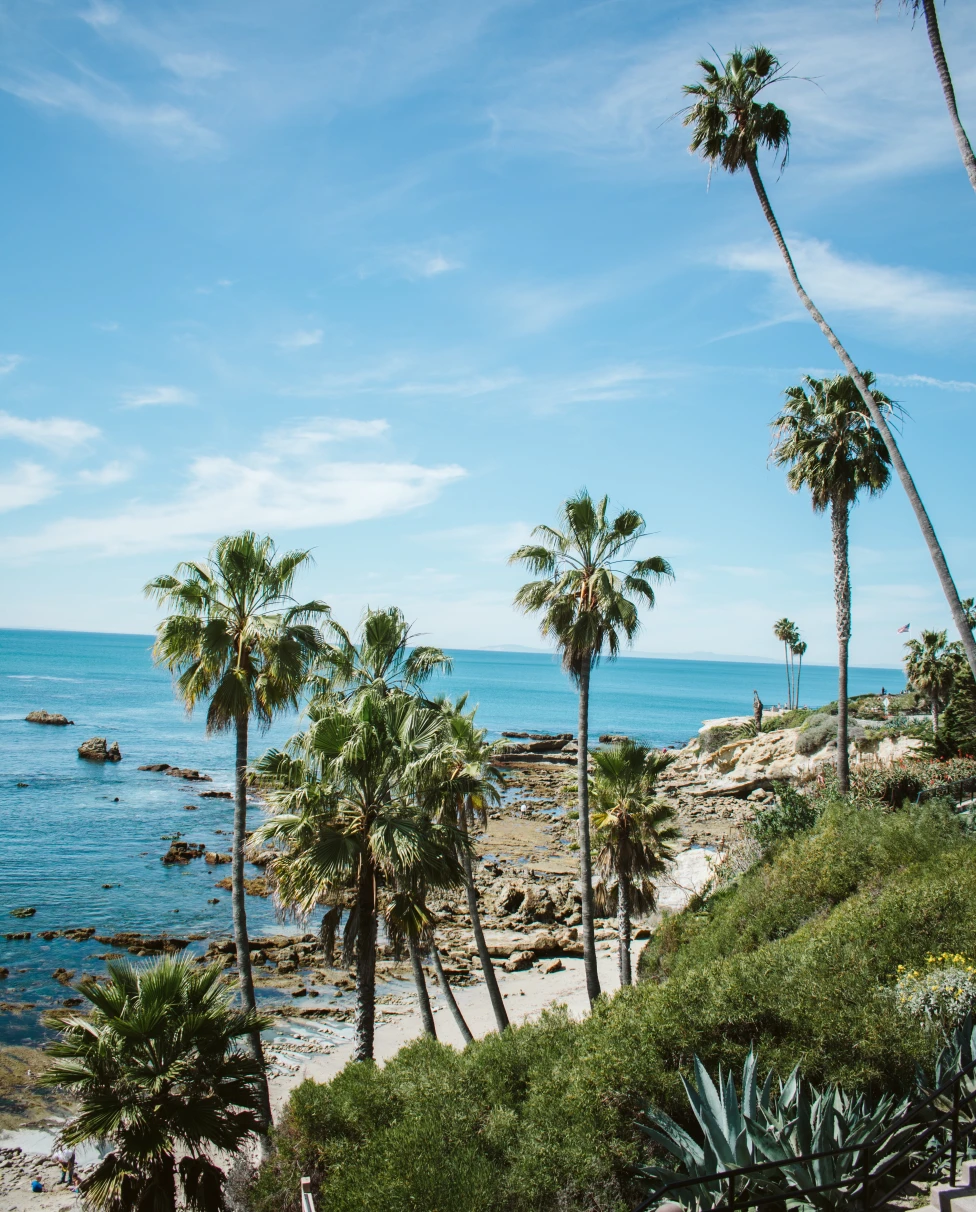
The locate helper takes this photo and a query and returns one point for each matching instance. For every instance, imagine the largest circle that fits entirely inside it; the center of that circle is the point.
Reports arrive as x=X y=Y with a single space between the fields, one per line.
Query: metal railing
x=958 y=789
x=308 y=1203
x=925 y=1144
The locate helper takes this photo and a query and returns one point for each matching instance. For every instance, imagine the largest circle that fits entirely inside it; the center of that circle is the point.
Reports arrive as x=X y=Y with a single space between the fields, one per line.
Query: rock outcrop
x=183 y=852
x=48 y=717
x=97 y=749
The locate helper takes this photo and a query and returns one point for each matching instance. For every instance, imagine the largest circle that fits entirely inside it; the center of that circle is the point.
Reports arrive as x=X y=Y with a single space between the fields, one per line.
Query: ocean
x=81 y=842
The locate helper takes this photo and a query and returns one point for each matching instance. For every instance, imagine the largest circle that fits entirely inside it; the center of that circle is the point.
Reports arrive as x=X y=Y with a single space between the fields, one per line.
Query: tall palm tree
x=785 y=630
x=156 y=1067
x=472 y=785
x=408 y=924
x=239 y=639
x=587 y=594
x=799 y=650
x=344 y=796
x=927 y=8
x=731 y=124
x=634 y=832
x=825 y=437
x=930 y=667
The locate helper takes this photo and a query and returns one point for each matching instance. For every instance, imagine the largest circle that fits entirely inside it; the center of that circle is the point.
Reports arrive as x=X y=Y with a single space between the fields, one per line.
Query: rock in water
x=183 y=852
x=97 y=749
x=46 y=717
x=29 y=912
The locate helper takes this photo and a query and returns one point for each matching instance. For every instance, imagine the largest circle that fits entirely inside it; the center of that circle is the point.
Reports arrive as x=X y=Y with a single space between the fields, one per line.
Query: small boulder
x=553 y=965
x=4 y=973
x=28 y=912
x=215 y=859
x=519 y=961
x=97 y=749
x=48 y=717
x=216 y=795
x=183 y=852
x=156 y=767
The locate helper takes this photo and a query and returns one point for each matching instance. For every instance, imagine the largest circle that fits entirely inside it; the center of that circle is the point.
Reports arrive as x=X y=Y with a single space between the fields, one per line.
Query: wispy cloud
x=538 y=307
x=27 y=484
x=9 y=362
x=302 y=339
x=106 y=325
x=59 y=434
x=113 y=472
x=927 y=381
x=149 y=397
x=900 y=293
x=318 y=431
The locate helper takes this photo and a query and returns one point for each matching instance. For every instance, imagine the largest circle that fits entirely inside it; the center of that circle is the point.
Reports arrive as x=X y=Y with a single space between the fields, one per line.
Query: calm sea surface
x=68 y=827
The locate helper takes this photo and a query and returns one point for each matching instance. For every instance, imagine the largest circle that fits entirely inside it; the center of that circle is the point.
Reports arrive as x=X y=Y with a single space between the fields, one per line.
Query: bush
x=817 y=730
x=796 y=959
x=792 y=813
x=712 y=739
x=942 y=994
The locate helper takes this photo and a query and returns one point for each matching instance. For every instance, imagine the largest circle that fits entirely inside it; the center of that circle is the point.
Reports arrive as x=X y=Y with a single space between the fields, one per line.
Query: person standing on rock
x=757 y=711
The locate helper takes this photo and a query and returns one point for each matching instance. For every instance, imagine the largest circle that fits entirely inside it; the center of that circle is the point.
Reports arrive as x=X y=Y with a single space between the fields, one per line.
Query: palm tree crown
x=384 y=658
x=157 y=1068
x=930 y=667
x=825 y=437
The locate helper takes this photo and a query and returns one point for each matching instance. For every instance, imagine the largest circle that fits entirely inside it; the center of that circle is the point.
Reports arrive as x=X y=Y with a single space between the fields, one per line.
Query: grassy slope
x=795 y=959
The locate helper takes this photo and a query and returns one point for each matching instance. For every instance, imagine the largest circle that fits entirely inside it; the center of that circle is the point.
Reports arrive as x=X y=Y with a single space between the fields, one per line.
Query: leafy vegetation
x=792 y=813
x=797 y=959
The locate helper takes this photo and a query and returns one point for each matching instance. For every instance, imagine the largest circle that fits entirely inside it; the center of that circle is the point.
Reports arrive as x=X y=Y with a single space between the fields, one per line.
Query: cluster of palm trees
x=794 y=650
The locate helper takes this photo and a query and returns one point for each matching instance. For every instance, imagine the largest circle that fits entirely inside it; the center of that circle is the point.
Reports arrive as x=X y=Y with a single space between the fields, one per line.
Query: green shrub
x=796 y=959
x=792 y=813
x=817 y=730
x=712 y=739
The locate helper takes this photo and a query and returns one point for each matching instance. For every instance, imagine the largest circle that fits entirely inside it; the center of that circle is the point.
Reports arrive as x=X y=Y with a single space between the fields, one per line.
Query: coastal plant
x=942 y=993
x=791 y=814
x=634 y=833
x=825 y=437
x=587 y=594
x=347 y=820
x=815 y=733
x=239 y=641
x=930 y=667
x=928 y=10
x=160 y=1067
x=957 y=729
x=786 y=631
x=731 y=121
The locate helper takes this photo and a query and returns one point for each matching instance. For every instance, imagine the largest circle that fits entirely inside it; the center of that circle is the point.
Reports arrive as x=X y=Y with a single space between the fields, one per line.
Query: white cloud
x=301 y=339
x=26 y=485
x=113 y=472
x=150 y=396
x=283 y=486
x=834 y=282
x=53 y=433
x=100 y=15
x=927 y=381
x=304 y=436
x=106 y=325
x=201 y=65
x=9 y=362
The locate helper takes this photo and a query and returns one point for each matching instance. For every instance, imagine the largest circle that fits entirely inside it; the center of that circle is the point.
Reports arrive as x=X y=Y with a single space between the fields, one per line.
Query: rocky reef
x=97 y=749
x=48 y=717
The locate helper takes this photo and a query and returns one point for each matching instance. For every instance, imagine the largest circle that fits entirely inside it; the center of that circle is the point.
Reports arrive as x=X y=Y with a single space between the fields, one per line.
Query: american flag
x=902 y=630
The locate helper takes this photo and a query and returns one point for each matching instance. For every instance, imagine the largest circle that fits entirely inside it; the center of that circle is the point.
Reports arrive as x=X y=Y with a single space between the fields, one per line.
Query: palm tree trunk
x=935 y=716
x=789 y=688
x=792 y=681
x=921 y=516
x=586 y=858
x=242 y=943
x=365 y=959
x=798 y=672
x=623 y=928
x=842 y=603
x=491 y=981
x=449 y=997
x=938 y=54
x=420 y=980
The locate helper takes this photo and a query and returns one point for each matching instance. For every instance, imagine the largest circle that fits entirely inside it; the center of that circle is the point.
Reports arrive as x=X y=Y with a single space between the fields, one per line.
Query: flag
x=902 y=630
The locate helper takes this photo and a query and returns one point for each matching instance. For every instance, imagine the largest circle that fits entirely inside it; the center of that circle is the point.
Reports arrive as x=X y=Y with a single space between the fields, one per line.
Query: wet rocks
x=27 y=912
x=48 y=717
x=18 y=935
x=97 y=749
x=79 y=934
x=183 y=852
x=63 y=976
x=215 y=859
x=177 y=772
x=4 y=973
x=216 y=795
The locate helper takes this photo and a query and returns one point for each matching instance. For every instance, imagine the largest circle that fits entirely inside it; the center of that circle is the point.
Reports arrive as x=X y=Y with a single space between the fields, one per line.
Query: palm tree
x=927 y=7
x=730 y=125
x=930 y=667
x=239 y=639
x=157 y=1068
x=634 y=830
x=472 y=785
x=408 y=923
x=384 y=659
x=582 y=595
x=784 y=629
x=345 y=796
x=825 y=437
x=799 y=650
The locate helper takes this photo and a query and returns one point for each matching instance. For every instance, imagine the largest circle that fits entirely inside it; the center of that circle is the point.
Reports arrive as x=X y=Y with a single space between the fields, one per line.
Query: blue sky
x=392 y=279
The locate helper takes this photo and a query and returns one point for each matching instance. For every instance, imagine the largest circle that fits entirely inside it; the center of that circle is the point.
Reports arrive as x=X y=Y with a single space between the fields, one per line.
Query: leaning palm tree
x=825 y=437
x=240 y=640
x=634 y=831
x=731 y=123
x=927 y=8
x=786 y=631
x=587 y=594
x=930 y=667
x=156 y=1066
x=344 y=798
x=472 y=785
x=408 y=927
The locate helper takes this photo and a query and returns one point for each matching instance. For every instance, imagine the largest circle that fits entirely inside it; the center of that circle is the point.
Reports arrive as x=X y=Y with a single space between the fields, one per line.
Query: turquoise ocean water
x=76 y=826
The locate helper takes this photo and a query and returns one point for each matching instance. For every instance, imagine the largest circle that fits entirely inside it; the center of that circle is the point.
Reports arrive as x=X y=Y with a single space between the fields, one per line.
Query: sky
x=391 y=280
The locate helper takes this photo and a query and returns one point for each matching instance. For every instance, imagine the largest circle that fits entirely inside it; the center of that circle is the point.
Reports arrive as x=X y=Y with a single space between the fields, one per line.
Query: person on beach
x=65 y=1158
x=757 y=710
